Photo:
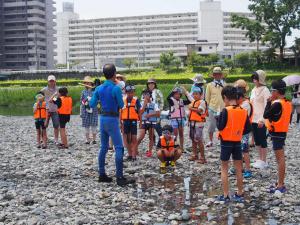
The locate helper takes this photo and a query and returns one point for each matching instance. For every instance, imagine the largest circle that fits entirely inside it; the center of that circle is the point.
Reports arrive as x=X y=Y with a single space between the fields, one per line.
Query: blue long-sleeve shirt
x=110 y=97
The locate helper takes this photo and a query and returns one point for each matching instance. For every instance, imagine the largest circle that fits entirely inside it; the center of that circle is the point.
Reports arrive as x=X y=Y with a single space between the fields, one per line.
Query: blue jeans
x=109 y=127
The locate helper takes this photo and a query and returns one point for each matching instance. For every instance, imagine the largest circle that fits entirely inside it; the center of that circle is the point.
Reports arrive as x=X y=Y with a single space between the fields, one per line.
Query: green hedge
x=135 y=80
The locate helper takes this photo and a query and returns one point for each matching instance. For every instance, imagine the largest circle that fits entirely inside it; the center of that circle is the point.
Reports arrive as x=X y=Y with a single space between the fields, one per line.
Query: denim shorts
x=176 y=123
x=55 y=119
x=245 y=143
x=229 y=148
x=278 y=142
x=40 y=124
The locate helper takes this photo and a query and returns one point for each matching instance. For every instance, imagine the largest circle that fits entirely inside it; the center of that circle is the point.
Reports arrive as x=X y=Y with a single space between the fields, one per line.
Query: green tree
x=243 y=60
x=129 y=62
x=177 y=62
x=212 y=58
x=270 y=55
x=195 y=60
x=296 y=49
x=280 y=16
x=167 y=59
x=228 y=62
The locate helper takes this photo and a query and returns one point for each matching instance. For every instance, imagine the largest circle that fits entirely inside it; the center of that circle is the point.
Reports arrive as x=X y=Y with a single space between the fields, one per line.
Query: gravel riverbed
x=54 y=186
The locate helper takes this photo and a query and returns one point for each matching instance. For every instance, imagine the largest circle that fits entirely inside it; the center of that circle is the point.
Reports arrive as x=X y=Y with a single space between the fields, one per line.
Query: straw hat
x=121 y=76
x=87 y=79
x=151 y=80
x=261 y=76
x=218 y=70
x=242 y=84
x=198 y=79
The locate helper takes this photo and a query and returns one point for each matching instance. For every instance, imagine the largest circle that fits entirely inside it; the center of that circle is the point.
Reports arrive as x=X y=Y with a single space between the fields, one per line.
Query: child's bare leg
x=127 y=144
x=201 y=148
x=151 y=139
x=239 y=175
x=247 y=160
x=175 y=132
x=38 y=136
x=195 y=150
x=134 y=145
x=141 y=136
x=224 y=177
x=87 y=134
x=161 y=155
x=44 y=137
x=63 y=136
x=281 y=166
x=181 y=139
x=94 y=132
x=177 y=154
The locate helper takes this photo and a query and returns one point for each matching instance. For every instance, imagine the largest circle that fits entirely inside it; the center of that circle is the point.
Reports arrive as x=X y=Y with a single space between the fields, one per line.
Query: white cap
x=51 y=77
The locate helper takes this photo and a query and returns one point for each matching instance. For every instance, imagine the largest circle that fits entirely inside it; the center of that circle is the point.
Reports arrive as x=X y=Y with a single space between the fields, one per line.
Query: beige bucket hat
x=87 y=79
x=261 y=76
x=198 y=79
x=242 y=84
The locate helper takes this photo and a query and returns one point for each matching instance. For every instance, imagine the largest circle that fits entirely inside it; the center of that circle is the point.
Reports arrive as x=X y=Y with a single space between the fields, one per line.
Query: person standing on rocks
x=278 y=114
x=50 y=91
x=259 y=98
x=110 y=97
x=214 y=101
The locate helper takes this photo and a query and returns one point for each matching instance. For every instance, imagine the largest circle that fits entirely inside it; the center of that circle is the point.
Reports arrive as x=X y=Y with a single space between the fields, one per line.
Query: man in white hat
x=49 y=93
x=214 y=101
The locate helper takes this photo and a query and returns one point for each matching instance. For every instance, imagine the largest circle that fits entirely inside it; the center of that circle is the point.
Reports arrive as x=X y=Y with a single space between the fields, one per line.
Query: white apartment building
x=144 y=38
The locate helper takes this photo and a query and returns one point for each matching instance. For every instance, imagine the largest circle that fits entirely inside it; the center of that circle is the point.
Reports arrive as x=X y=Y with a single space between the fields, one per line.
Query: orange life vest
x=282 y=125
x=236 y=119
x=66 y=106
x=196 y=117
x=129 y=111
x=40 y=112
x=167 y=145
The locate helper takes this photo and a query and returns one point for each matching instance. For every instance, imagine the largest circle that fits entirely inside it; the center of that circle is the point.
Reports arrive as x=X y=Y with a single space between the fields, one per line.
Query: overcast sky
x=88 y=9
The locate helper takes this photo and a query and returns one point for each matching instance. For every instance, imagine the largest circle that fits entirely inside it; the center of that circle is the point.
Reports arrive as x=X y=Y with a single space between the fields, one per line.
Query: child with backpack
x=232 y=124
x=130 y=115
x=168 y=151
x=40 y=117
x=197 y=118
x=150 y=114
x=177 y=111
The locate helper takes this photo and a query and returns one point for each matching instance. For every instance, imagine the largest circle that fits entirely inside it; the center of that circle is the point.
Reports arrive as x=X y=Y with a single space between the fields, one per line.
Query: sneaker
x=94 y=142
x=231 y=171
x=281 y=190
x=149 y=154
x=129 y=158
x=238 y=198
x=247 y=174
x=172 y=163
x=105 y=179
x=122 y=181
x=38 y=146
x=44 y=146
x=221 y=198
x=259 y=164
x=209 y=144
x=87 y=142
x=163 y=165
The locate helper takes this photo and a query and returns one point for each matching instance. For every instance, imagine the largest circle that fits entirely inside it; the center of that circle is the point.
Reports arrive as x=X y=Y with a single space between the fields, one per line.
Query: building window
x=200 y=49
x=210 y=47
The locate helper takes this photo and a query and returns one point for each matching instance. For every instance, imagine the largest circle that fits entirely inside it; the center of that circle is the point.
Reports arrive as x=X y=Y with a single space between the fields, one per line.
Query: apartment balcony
x=39 y=51
x=36 y=11
x=13 y=4
x=35 y=3
x=14 y=12
x=15 y=28
x=37 y=35
x=38 y=43
x=16 y=52
x=15 y=44
x=36 y=19
x=14 y=20
x=16 y=60
x=36 y=27
x=15 y=36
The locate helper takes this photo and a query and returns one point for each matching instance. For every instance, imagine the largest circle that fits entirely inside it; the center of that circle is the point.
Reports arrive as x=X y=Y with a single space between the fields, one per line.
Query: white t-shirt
x=246 y=105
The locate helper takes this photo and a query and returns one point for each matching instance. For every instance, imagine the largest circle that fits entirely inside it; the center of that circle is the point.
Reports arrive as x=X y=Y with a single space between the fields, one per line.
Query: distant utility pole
x=94 y=54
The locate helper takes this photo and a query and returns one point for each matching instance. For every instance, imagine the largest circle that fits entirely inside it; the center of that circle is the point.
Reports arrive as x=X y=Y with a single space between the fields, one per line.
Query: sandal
x=62 y=146
x=202 y=161
x=193 y=158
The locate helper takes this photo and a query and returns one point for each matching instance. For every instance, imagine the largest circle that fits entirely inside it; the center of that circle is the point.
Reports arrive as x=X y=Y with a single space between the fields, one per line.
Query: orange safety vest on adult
x=167 y=145
x=41 y=112
x=66 y=106
x=129 y=111
x=282 y=125
x=236 y=119
x=195 y=116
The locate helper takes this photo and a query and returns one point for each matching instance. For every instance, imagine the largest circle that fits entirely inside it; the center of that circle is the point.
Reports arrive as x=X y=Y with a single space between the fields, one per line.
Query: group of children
x=233 y=123
x=41 y=116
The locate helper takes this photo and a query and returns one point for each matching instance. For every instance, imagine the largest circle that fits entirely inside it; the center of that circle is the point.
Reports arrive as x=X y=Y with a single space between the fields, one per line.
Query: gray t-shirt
x=49 y=92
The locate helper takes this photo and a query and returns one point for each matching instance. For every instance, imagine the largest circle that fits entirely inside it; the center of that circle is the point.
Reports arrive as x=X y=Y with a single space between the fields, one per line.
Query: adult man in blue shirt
x=110 y=97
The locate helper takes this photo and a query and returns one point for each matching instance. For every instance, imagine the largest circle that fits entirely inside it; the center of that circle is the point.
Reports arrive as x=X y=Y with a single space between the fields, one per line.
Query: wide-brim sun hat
x=218 y=70
x=87 y=79
x=242 y=84
x=198 y=79
x=151 y=80
x=261 y=76
x=121 y=76
x=51 y=77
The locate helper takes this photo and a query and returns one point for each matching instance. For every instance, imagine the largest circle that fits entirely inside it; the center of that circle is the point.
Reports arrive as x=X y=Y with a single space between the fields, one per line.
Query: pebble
x=54 y=186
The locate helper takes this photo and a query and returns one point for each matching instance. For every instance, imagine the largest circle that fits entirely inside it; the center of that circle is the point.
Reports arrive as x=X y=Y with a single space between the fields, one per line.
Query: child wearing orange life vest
x=168 y=151
x=232 y=124
x=242 y=88
x=130 y=115
x=64 y=113
x=197 y=118
x=277 y=114
x=177 y=111
x=40 y=117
